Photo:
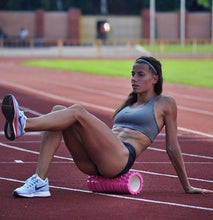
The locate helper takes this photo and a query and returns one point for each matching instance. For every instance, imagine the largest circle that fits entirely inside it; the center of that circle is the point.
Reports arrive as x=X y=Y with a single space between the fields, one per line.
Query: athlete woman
x=95 y=148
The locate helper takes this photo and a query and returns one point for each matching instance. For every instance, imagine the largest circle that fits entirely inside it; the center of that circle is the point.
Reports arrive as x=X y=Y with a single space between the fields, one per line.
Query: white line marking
x=91 y=90
x=195 y=110
x=56 y=97
x=66 y=158
x=137 y=162
x=173 y=176
x=168 y=162
x=121 y=197
x=30 y=151
x=27 y=133
x=200 y=99
x=68 y=100
x=35 y=162
x=191 y=139
x=136 y=199
x=19 y=161
x=23 y=142
x=185 y=154
x=195 y=132
x=70 y=159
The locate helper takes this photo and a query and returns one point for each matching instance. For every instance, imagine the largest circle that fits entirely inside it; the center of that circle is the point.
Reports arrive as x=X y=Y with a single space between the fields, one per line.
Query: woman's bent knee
x=58 y=107
x=79 y=110
x=78 y=107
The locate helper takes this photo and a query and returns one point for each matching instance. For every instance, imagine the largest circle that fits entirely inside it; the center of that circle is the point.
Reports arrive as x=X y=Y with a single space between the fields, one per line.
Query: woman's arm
x=173 y=147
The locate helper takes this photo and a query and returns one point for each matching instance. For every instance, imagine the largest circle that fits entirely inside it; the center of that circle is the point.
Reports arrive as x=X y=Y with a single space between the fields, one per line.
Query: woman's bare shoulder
x=166 y=102
x=166 y=99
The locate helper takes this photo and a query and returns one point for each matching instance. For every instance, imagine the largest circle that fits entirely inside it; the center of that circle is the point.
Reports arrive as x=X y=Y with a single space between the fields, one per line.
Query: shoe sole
x=9 y=112
x=37 y=194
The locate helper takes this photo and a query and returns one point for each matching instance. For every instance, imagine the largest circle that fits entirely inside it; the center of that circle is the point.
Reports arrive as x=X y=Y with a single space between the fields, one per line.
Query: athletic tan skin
x=92 y=143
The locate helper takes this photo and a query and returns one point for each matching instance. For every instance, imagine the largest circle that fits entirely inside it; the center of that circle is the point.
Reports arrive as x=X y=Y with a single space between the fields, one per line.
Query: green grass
x=99 y=67
x=169 y=49
x=189 y=72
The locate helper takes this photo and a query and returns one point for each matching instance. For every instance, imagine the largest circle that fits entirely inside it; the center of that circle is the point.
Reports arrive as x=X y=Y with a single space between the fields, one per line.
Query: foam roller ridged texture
x=130 y=183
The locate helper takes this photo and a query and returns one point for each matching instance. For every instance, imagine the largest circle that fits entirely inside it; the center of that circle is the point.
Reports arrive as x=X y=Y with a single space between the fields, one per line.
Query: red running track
x=37 y=90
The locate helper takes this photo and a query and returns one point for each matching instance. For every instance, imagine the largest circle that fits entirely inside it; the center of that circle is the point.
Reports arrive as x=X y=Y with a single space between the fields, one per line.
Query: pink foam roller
x=131 y=182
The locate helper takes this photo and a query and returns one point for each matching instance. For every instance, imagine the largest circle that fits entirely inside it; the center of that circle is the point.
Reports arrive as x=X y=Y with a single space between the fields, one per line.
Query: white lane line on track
x=195 y=110
x=68 y=100
x=70 y=159
x=110 y=94
x=121 y=197
x=28 y=133
x=18 y=161
x=195 y=132
x=156 y=141
x=184 y=154
x=32 y=152
x=55 y=97
x=191 y=139
x=111 y=110
x=137 y=162
x=92 y=90
x=67 y=158
x=172 y=176
x=190 y=97
x=35 y=162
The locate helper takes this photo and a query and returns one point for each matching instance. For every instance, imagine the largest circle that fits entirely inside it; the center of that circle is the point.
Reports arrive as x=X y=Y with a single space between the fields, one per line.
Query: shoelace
x=30 y=182
x=21 y=114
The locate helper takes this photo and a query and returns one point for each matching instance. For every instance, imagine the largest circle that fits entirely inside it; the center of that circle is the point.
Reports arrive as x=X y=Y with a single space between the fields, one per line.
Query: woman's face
x=143 y=79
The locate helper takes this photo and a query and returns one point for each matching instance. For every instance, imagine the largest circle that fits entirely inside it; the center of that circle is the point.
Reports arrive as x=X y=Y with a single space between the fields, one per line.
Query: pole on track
x=182 y=22
x=152 y=22
x=212 y=23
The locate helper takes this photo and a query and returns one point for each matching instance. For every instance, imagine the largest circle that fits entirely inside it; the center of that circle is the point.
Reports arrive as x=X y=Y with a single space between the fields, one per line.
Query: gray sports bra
x=140 y=118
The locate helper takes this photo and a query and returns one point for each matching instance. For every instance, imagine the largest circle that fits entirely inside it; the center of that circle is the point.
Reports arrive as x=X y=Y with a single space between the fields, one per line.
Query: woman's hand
x=194 y=190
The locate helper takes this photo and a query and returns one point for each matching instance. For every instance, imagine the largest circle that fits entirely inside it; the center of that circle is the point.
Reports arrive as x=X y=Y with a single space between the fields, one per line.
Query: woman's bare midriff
x=137 y=139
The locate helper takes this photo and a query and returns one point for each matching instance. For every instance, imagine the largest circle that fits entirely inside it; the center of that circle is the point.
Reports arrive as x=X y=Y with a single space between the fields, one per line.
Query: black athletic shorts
x=130 y=162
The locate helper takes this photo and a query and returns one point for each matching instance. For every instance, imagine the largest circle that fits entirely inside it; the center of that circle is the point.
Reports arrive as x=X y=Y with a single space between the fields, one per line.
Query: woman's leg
x=51 y=140
x=50 y=143
x=98 y=144
x=76 y=148
x=94 y=146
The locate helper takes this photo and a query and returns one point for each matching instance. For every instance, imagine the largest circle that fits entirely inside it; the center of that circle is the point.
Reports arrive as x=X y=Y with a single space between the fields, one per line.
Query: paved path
x=118 y=51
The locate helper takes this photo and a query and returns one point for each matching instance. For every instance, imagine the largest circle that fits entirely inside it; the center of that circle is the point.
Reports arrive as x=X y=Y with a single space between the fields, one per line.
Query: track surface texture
x=38 y=90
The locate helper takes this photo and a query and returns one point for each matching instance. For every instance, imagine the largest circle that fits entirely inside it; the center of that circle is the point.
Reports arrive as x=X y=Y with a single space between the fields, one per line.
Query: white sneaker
x=15 y=119
x=33 y=187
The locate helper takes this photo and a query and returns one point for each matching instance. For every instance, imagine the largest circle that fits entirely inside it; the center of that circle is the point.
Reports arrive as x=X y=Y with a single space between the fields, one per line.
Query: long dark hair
x=158 y=87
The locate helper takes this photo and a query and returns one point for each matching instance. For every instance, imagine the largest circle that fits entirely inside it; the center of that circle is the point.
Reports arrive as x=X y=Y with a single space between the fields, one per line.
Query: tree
x=205 y=3
x=167 y=5
x=124 y=7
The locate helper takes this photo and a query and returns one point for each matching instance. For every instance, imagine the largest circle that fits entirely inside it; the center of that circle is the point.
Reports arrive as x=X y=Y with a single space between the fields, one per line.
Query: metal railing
x=161 y=46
